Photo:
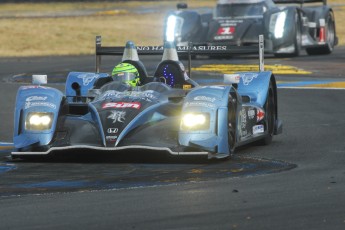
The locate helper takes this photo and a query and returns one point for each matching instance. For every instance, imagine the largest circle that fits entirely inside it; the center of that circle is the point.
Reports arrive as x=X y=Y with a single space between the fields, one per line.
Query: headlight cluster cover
x=38 y=121
x=195 y=121
x=277 y=24
x=173 y=27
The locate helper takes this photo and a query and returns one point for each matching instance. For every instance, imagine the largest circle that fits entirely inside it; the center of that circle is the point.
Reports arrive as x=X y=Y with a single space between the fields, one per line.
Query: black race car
x=287 y=28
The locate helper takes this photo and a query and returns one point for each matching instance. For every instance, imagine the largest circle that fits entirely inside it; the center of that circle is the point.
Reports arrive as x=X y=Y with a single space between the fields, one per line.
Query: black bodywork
x=287 y=25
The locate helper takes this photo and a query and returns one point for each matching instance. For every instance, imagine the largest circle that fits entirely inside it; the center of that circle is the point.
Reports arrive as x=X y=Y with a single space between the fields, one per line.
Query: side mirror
x=39 y=79
x=180 y=6
x=232 y=79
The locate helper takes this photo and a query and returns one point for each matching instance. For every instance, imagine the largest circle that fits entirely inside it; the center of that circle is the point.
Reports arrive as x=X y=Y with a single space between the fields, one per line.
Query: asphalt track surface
x=297 y=182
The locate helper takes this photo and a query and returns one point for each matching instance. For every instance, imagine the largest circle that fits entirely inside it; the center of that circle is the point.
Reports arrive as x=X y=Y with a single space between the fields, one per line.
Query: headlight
x=195 y=121
x=38 y=121
x=277 y=24
x=170 y=32
x=174 y=25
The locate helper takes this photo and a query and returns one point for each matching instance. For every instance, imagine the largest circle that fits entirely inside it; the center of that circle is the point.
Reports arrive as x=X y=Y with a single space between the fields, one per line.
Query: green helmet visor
x=129 y=78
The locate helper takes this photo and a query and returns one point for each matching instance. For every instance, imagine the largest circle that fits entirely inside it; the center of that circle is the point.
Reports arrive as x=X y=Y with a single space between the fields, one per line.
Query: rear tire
x=330 y=39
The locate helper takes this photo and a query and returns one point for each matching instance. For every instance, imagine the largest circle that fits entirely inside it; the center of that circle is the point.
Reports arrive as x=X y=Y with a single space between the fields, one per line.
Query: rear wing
x=299 y=1
x=184 y=51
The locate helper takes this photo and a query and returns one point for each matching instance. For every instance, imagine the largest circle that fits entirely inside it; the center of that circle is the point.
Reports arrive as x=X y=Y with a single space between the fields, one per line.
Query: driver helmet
x=127 y=73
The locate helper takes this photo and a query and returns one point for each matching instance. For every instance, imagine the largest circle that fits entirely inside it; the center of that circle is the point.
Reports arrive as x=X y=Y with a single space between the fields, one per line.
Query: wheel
x=330 y=38
x=232 y=124
x=270 y=117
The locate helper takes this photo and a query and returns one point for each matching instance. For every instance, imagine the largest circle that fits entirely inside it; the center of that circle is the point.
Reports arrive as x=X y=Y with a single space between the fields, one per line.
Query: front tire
x=298 y=36
x=270 y=117
x=232 y=124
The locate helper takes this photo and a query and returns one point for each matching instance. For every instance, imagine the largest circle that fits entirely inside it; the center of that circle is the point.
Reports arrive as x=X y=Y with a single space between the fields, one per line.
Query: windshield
x=240 y=10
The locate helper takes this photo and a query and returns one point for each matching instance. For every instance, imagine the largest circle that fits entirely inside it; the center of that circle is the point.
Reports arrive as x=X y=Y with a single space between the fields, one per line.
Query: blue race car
x=168 y=111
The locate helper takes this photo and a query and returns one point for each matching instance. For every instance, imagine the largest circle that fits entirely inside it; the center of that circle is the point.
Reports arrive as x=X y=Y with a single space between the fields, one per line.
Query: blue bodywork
x=214 y=100
x=85 y=81
x=176 y=115
x=32 y=99
x=154 y=116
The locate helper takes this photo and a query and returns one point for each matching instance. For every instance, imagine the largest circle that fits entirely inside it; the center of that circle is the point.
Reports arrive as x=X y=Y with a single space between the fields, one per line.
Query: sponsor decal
x=226 y=21
x=33 y=87
x=228 y=24
x=226 y=30
x=199 y=103
x=117 y=116
x=111 y=138
x=260 y=114
x=30 y=104
x=108 y=94
x=248 y=78
x=36 y=98
x=111 y=93
x=251 y=114
x=88 y=78
x=121 y=105
x=202 y=48
x=204 y=98
x=243 y=118
x=185 y=48
x=258 y=129
x=150 y=48
x=223 y=37
x=112 y=130
x=147 y=95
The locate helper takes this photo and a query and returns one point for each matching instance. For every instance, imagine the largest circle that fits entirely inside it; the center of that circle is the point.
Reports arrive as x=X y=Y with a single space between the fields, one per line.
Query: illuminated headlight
x=170 y=31
x=38 y=121
x=277 y=24
x=174 y=25
x=195 y=121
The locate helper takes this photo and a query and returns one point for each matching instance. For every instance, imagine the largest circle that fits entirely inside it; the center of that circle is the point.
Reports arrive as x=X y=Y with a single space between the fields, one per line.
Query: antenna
x=98 y=57
x=190 y=44
x=261 y=53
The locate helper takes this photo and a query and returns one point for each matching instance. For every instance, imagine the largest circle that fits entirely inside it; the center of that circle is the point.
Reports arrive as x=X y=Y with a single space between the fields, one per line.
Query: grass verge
x=116 y=22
